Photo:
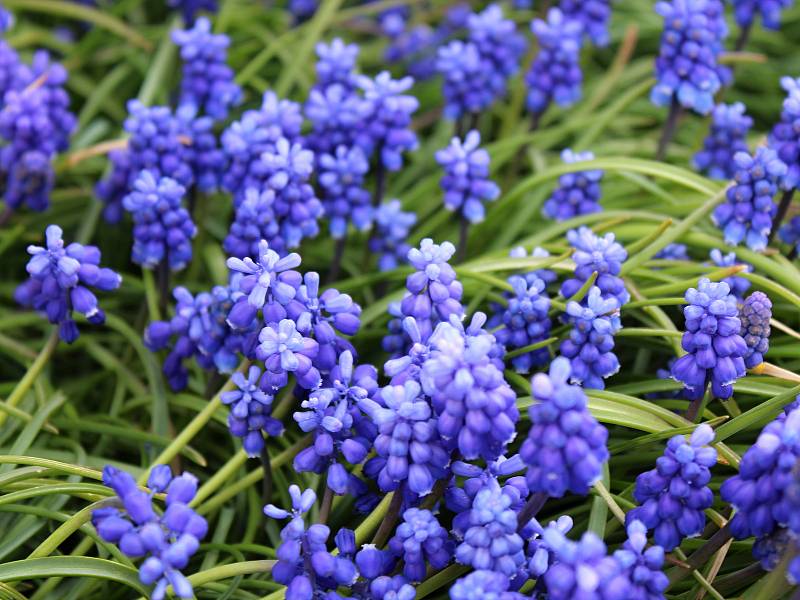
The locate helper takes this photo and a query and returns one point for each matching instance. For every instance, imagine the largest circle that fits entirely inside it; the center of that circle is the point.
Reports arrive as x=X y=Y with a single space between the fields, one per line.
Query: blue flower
x=555 y=75
x=759 y=491
x=420 y=539
x=540 y=555
x=341 y=176
x=340 y=430
x=784 y=138
x=336 y=63
x=673 y=252
x=595 y=254
x=302 y=10
x=207 y=82
x=466 y=79
x=745 y=12
x=727 y=136
x=254 y=220
x=577 y=193
x=483 y=584
x=593 y=16
x=673 y=496
x=251 y=409
x=748 y=211
x=755 y=316
x=163 y=229
x=392 y=227
x=523 y=321
x=199 y=329
x=491 y=540
x=408 y=445
x=167 y=540
x=284 y=350
x=336 y=112
x=590 y=346
x=687 y=67
x=386 y=126
x=715 y=350
x=738 y=285
x=476 y=407
x=304 y=564
x=545 y=275
x=116 y=186
x=643 y=565
x=466 y=182
x=188 y=8
x=416 y=47
x=566 y=446
x=59 y=282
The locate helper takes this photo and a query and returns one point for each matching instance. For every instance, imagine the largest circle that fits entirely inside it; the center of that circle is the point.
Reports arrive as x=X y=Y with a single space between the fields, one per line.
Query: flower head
x=420 y=541
x=577 y=193
x=726 y=137
x=593 y=16
x=344 y=197
x=755 y=315
x=284 y=350
x=336 y=63
x=596 y=254
x=784 y=137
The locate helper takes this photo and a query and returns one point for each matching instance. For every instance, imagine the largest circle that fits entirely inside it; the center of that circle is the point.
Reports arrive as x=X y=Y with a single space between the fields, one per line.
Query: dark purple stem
x=390 y=520
x=327 y=503
x=266 y=483
x=669 y=129
x=463 y=233
x=531 y=508
x=783 y=208
x=336 y=263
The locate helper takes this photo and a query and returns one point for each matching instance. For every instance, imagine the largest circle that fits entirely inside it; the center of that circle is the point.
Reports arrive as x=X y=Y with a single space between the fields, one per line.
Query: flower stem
x=266 y=483
x=325 y=507
x=783 y=207
x=744 y=35
x=702 y=555
x=531 y=508
x=669 y=129
x=389 y=521
x=380 y=181
x=463 y=233
x=336 y=263
x=163 y=287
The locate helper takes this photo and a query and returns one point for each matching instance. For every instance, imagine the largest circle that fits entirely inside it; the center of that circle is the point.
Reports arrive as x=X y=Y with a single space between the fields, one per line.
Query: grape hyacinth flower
x=304 y=564
x=251 y=408
x=749 y=209
x=466 y=76
x=285 y=350
x=112 y=190
x=59 y=282
x=642 y=564
x=341 y=177
x=392 y=226
x=207 y=81
x=545 y=275
x=420 y=541
x=302 y=10
x=673 y=252
x=336 y=63
x=408 y=445
x=491 y=540
x=325 y=316
x=416 y=49
x=254 y=220
x=540 y=555
x=340 y=430
x=189 y=8
x=687 y=67
x=673 y=496
x=524 y=321
x=738 y=285
x=582 y=569
x=163 y=229
x=590 y=345
x=593 y=15
x=726 y=137
x=566 y=446
x=595 y=254
x=745 y=12
x=555 y=75
x=386 y=128
x=466 y=182
x=577 y=193
x=498 y=44
x=407 y=366
x=784 y=137
x=199 y=329
x=269 y=285
x=476 y=407
x=336 y=113
x=483 y=584
x=168 y=540
x=755 y=315
x=758 y=491
x=715 y=350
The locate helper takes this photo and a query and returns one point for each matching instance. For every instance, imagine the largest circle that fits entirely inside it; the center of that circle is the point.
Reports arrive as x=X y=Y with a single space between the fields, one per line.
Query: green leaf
x=71 y=566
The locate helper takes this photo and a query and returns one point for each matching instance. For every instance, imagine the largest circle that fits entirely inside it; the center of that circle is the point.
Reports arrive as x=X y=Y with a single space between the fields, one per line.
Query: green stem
x=33 y=372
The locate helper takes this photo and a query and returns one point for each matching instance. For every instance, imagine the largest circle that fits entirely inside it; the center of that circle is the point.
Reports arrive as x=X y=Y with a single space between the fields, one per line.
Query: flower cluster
x=687 y=67
x=727 y=136
x=555 y=75
x=673 y=496
x=253 y=221
x=476 y=407
x=524 y=321
x=392 y=226
x=408 y=445
x=577 y=193
x=738 y=285
x=420 y=540
x=566 y=446
x=643 y=565
x=189 y=8
x=283 y=350
x=790 y=233
x=747 y=214
x=198 y=330
x=59 y=282
x=590 y=345
x=36 y=123
x=465 y=75
x=595 y=254
x=336 y=63
x=483 y=583
x=207 y=83
x=755 y=315
x=745 y=12
x=784 y=138
x=341 y=176
x=715 y=350
x=168 y=540
x=592 y=14
x=466 y=182
x=163 y=229
x=251 y=407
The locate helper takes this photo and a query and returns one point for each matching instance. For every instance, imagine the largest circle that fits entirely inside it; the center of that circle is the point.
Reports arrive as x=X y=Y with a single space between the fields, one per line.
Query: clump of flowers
x=420 y=541
x=254 y=220
x=466 y=88
x=466 y=182
x=755 y=315
x=566 y=447
x=643 y=565
x=392 y=226
x=746 y=11
x=577 y=193
x=251 y=409
x=596 y=254
x=344 y=198
x=283 y=350
x=715 y=350
x=592 y=14
x=726 y=137
x=673 y=496
x=168 y=540
x=59 y=282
